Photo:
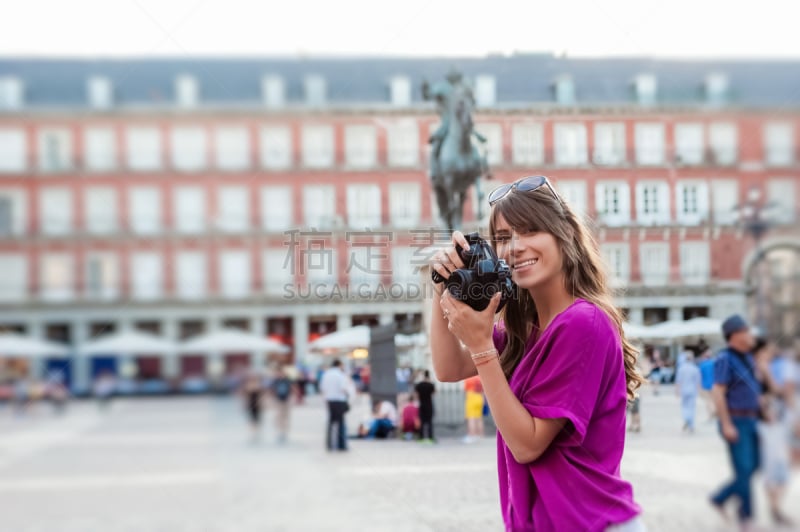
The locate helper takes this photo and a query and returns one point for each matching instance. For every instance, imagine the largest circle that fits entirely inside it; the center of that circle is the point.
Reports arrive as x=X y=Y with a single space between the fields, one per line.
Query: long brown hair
x=584 y=272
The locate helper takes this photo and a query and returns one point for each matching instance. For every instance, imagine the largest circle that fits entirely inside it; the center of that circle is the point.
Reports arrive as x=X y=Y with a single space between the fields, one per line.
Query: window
x=143 y=146
x=99 y=149
x=400 y=89
x=613 y=202
x=191 y=277
x=277 y=272
x=102 y=279
x=618 y=261
x=723 y=138
x=318 y=146
x=234 y=270
x=277 y=208
x=276 y=147
x=574 y=194
x=527 y=144
x=55 y=210
x=485 y=91
x=365 y=266
x=55 y=150
x=232 y=148
x=609 y=143
x=100 y=92
x=188 y=148
x=12 y=212
x=404 y=204
x=779 y=143
x=564 y=89
x=692 y=202
x=695 y=263
x=364 y=206
x=146 y=276
x=56 y=277
x=689 y=146
x=782 y=193
x=13 y=150
x=101 y=209
x=315 y=90
x=402 y=138
x=187 y=91
x=360 y=146
x=322 y=271
x=319 y=206
x=646 y=89
x=494 y=142
x=717 y=88
x=405 y=266
x=649 y=144
x=570 y=140
x=14 y=281
x=654 y=265
x=273 y=91
x=11 y=93
x=725 y=197
x=233 y=209
x=652 y=202
x=145 y=210
x=190 y=209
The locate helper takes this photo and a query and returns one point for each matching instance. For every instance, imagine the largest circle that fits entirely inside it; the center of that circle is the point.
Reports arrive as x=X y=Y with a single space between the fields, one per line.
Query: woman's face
x=534 y=258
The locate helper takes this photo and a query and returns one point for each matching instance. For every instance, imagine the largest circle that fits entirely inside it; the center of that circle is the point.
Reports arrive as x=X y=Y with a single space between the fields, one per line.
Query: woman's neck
x=550 y=301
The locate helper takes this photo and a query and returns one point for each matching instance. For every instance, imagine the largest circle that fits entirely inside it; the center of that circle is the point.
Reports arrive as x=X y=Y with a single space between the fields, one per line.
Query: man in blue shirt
x=735 y=394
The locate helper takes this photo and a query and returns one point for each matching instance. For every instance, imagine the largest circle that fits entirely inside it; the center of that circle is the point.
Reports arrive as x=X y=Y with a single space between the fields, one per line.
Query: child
x=410 y=419
x=773 y=434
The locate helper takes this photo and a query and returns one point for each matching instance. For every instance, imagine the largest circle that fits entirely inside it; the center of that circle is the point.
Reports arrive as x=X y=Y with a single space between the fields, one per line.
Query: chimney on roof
x=99 y=92
x=12 y=93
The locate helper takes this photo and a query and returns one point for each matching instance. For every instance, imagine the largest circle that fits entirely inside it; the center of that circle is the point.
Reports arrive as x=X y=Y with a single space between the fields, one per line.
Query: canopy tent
x=358 y=337
x=18 y=345
x=127 y=343
x=227 y=340
x=676 y=329
x=634 y=331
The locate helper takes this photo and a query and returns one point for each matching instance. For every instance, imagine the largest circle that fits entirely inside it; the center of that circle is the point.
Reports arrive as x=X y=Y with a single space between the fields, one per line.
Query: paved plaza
x=185 y=464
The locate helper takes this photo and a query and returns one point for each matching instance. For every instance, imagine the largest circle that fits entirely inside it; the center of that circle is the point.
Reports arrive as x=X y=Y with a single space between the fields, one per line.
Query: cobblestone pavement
x=185 y=464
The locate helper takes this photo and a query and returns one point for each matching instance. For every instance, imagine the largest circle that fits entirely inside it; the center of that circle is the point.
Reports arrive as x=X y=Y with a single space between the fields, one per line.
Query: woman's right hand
x=446 y=259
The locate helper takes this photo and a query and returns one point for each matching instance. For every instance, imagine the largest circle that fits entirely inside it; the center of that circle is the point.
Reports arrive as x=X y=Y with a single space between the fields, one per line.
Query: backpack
x=283 y=387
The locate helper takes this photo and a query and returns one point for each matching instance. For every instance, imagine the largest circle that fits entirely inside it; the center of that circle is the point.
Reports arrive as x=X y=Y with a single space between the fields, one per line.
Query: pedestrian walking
x=425 y=390
x=473 y=409
x=706 y=367
x=337 y=390
x=556 y=368
x=252 y=395
x=687 y=386
x=281 y=388
x=736 y=398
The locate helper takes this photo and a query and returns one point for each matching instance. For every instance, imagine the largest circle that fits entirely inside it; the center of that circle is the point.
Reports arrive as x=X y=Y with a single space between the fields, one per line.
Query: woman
x=556 y=368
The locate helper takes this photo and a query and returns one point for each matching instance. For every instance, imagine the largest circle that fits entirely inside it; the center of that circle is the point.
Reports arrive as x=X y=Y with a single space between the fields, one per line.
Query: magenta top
x=574 y=371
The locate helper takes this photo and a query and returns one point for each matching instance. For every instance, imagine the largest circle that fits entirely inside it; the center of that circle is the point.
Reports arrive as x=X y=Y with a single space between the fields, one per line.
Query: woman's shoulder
x=589 y=318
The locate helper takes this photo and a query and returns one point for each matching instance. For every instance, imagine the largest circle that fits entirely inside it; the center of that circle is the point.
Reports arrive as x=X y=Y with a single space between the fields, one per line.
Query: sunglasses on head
x=526 y=184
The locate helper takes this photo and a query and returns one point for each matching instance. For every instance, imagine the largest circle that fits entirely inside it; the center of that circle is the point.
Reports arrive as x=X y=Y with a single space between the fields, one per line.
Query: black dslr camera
x=482 y=276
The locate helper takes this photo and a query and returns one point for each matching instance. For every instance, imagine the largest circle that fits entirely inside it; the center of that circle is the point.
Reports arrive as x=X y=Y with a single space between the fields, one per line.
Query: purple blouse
x=574 y=371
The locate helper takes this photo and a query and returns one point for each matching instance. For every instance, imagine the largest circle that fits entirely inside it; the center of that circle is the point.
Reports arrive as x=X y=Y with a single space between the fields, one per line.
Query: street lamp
x=754 y=217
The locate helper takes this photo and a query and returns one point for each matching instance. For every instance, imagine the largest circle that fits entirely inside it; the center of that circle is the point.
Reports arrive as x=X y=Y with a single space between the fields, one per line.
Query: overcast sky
x=666 y=28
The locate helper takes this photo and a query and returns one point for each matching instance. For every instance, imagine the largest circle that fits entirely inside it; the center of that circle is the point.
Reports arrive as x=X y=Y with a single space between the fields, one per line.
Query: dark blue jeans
x=744 y=458
x=336 y=412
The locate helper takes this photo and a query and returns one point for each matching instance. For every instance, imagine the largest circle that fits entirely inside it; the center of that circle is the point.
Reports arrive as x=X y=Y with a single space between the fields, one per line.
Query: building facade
x=290 y=200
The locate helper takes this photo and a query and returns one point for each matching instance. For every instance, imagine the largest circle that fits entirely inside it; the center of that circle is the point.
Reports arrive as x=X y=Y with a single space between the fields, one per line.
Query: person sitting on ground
x=410 y=419
x=383 y=422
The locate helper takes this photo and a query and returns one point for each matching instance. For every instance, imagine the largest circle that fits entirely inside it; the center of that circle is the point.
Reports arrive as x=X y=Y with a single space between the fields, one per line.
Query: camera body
x=482 y=276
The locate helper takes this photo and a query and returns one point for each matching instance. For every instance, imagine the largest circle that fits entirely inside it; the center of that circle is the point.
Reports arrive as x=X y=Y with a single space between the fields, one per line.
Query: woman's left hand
x=472 y=327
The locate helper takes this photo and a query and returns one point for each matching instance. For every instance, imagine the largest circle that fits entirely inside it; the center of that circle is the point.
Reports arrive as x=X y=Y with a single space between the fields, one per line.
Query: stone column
x=300 y=337
x=81 y=376
x=36 y=364
x=258 y=359
x=170 y=362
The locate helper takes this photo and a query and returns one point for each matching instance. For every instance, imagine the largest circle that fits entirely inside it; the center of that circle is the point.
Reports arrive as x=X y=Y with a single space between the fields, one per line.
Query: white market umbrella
x=635 y=330
x=226 y=340
x=127 y=343
x=702 y=327
x=19 y=345
x=357 y=337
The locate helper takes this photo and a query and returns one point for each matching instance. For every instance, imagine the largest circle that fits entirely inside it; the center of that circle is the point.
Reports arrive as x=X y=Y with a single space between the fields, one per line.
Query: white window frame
x=360 y=145
x=13 y=150
x=652 y=202
x=276 y=271
x=191 y=275
x=12 y=93
x=405 y=267
x=277 y=208
x=405 y=205
x=400 y=91
x=273 y=91
x=232 y=148
x=233 y=208
x=322 y=272
x=494 y=142
x=275 y=147
x=144 y=210
x=235 y=279
x=571 y=145
x=187 y=91
x=402 y=142
x=100 y=149
x=724 y=198
x=650 y=139
x=782 y=193
x=107 y=288
x=100 y=209
x=617 y=256
x=143 y=148
x=612 y=200
x=609 y=143
x=99 y=92
x=695 y=263
x=695 y=192
x=723 y=141
x=319 y=206
x=779 y=144
x=17 y=199
x=315 y=89
x=54 y=157
x=654 y=263
x=364 y=206
x=14 y=281
x=318 y=146
x=190 y=209
x=485 y=90
x=575 y=194
x=55 y=210
x=189 y=147
x=62 y=287
x=527 y=143
x=689 y=143
x=147 y=275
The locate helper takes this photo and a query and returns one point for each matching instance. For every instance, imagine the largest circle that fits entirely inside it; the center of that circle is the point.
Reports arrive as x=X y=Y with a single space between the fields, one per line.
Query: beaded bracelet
x=484 y=354
x=486 y=361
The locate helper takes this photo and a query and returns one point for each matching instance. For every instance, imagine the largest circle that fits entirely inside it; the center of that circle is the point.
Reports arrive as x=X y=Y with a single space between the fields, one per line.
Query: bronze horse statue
x=456 y=163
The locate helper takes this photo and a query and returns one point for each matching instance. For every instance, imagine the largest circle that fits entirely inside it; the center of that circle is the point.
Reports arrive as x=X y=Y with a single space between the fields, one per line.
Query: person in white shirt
x=687 y=382
x=384 y=422
x=337 y=389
